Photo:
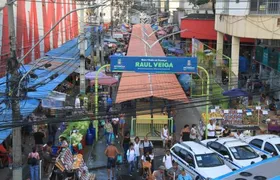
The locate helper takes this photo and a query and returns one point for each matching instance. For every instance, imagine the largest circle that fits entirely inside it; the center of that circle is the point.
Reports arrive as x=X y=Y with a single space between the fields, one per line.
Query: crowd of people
x=139 y=156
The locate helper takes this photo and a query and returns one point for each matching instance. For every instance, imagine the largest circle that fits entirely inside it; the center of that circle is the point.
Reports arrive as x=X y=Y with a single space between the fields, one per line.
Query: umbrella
x=105 y=81
x=92 y=75
x=235 y=93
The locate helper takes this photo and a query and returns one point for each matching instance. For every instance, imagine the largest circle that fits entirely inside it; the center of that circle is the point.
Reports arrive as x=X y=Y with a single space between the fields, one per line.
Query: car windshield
x=243 y=152
x=209 y=160
x=278 y=146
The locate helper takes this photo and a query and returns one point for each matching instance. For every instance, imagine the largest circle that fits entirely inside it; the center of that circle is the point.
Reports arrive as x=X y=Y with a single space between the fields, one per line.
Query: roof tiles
x=139 y=85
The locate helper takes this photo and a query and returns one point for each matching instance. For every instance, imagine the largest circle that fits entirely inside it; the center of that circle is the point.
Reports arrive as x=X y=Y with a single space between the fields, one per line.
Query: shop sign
x=153 y=64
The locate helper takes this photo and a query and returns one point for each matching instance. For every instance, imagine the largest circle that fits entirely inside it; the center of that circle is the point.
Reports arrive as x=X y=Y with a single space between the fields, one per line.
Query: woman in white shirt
x=193 y=134
x=137 y=150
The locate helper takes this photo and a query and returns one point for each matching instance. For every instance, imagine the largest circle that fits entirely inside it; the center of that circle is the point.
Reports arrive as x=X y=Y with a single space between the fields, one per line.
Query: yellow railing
x=142 y=127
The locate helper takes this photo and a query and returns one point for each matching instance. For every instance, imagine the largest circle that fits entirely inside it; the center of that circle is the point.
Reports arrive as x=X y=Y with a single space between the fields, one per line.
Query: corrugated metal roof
x=63 y=67
x=137 y=85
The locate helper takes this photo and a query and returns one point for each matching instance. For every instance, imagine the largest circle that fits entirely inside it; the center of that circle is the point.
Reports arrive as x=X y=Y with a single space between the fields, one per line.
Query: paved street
x=97 y=162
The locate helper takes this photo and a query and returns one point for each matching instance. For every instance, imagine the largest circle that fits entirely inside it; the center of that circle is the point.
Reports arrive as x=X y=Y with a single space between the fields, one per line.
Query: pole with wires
x=13 y=70
x=82 y=53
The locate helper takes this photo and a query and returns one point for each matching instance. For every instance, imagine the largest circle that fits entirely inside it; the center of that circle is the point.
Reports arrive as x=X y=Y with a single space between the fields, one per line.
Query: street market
x=139 y=90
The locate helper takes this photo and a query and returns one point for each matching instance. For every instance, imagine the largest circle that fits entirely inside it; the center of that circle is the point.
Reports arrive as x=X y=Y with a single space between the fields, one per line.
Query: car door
x=179 y=155
x=228 y=157
x=189 y=166
x=270 y=148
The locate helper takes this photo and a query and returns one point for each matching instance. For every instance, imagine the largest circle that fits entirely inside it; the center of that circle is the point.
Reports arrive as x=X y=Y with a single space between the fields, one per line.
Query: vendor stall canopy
x=235 y=93
x=47 y=79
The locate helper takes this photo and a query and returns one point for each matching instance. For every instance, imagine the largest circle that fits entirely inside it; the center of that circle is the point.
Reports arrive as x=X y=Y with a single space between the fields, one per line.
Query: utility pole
x=97 y=43
x=13 y=66
x=102 y=36
x=82 y=53
x=112 y=20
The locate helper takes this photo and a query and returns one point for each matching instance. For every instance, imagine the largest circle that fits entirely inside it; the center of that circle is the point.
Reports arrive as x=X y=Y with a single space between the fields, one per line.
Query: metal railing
x=142 y=127
x=265 y=7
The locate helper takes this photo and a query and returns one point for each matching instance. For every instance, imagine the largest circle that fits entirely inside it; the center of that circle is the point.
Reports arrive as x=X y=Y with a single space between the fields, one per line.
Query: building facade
x=256 y=19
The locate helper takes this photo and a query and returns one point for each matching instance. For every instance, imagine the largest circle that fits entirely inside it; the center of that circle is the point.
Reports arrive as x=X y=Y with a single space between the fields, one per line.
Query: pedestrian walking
x=131 y=157
x=173 y=172
x=122 y=124
x=185 y=133
x=47 y=156
x=146 y=146
x=33 y=162
x=108 y=128
x=111 y=152
x=146 y=166
x=193 y=134
x=167 y=160
x=39 y=139
x=52 y=129
x=164 y=136
x=159 y=174
x=137 y=151
x=115 y=124
x=126 y=143
x=184 y=175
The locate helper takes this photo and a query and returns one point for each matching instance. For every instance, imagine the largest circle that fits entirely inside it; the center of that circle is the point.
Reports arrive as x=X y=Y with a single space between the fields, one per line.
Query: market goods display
x=82 y=126
x=249 y=116
x=66 y=162
x=67 y=159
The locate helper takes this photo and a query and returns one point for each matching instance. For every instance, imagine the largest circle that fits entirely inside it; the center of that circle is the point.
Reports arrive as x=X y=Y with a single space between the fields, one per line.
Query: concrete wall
x=252 y=26
x=230 y=7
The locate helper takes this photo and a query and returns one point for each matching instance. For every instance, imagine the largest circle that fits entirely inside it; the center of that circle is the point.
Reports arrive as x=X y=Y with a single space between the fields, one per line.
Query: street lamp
x=207 y=96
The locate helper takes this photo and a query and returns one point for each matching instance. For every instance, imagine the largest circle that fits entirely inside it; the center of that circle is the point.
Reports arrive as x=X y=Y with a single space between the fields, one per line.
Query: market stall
x=79 y=134
x=249 y=116
x=71 y=166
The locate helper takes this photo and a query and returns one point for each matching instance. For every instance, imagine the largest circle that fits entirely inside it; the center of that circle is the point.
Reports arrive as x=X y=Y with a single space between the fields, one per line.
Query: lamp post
x=96 y=99
x=207 y=96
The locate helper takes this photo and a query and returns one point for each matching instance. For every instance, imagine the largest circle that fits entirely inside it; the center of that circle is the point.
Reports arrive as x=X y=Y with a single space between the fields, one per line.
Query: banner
x=154 y=64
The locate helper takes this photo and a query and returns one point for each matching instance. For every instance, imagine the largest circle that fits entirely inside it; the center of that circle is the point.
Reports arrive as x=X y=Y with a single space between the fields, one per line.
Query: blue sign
x=153 y=64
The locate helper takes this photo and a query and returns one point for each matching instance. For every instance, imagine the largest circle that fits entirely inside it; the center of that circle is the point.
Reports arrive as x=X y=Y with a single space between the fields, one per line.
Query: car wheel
x=197 y=178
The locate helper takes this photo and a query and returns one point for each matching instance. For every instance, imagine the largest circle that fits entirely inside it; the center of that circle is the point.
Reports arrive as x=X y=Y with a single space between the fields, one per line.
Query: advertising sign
x=153 y=64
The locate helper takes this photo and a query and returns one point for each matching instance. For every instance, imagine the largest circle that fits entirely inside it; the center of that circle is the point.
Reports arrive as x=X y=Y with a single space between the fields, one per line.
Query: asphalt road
x=122 y=173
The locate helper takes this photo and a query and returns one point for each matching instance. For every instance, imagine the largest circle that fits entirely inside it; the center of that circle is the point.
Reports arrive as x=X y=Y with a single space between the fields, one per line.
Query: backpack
x=147 y=149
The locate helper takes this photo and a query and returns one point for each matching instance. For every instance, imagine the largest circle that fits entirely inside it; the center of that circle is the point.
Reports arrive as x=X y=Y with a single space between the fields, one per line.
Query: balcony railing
x=265 y=7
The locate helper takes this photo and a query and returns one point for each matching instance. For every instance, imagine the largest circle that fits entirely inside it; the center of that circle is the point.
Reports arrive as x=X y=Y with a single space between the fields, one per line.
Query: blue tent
x=46 y=83
x=235 y=93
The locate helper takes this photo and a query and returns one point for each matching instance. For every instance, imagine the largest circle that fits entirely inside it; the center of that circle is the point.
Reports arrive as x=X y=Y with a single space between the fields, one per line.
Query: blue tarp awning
x=46 y=85
x=235 y=93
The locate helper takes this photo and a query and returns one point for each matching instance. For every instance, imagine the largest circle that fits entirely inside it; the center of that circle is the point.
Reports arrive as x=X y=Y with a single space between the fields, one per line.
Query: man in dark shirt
x=38 y=137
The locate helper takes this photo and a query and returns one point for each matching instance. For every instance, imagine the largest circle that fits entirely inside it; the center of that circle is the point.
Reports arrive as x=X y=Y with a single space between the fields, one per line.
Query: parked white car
x=235 y=152
x=266 y=142
x=199 y=161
